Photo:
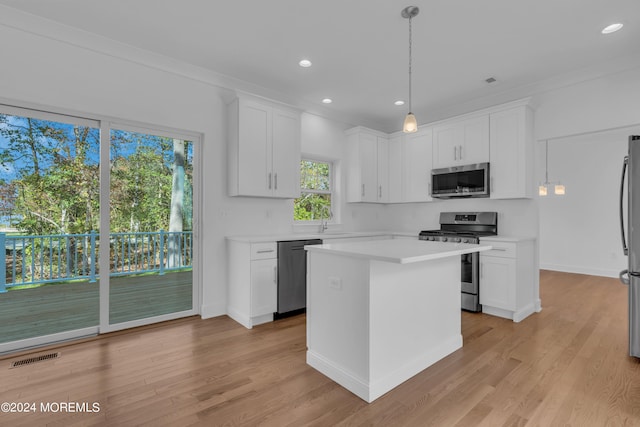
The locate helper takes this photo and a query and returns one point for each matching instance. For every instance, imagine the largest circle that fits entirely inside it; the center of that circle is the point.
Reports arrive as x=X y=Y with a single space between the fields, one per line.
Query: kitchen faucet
x=323 y=220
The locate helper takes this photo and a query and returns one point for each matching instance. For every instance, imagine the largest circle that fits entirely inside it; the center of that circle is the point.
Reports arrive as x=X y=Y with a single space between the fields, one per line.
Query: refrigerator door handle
x=624 y=277
x=624 y=239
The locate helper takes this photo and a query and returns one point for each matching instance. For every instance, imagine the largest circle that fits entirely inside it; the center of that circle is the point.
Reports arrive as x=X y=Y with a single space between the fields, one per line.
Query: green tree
x=56 y=183
x=315 y=185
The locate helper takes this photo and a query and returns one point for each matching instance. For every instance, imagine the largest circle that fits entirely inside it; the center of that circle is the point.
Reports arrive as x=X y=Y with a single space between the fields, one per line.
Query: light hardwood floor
x=567 y=365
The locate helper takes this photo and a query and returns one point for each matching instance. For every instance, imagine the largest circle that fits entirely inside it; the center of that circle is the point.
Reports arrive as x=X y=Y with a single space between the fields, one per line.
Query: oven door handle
x=476 y=269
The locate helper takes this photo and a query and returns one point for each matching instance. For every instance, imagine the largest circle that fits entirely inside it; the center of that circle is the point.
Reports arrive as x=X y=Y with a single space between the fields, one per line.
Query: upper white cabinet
x=416 y=166
x=511 y=145
x=383 y=170
x=395 y=169
x=461 y=142
x=263 y=149
x=367 y=166
x=388 y=170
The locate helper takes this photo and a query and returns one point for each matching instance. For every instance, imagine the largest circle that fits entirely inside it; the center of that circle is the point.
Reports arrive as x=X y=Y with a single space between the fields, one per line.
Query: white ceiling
x=359 y=48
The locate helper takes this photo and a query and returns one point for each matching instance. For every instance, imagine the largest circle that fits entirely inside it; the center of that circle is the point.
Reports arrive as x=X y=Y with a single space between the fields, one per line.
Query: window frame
x=331 y=192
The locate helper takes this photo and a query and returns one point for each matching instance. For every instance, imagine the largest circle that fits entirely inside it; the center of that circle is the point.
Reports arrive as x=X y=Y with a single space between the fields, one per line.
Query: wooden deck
x=50 y=309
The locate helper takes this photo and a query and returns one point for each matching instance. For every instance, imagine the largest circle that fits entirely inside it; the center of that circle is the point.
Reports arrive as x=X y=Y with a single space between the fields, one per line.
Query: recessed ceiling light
x=327 y=101
x=612 y=28
x=305 y=63
x=399 y=102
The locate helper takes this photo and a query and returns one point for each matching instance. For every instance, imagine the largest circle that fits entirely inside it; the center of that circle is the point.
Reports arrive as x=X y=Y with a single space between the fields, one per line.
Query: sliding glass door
x=96 y=227
x=151 y=226
x=49 y=217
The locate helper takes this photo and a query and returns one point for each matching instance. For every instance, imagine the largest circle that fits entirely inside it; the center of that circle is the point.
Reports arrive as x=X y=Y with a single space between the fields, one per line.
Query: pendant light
x=410 y=123
x=543 y=188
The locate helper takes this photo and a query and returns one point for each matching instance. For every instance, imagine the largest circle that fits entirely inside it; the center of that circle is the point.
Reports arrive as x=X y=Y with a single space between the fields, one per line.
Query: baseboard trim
x=371 y=390
x=581 y=270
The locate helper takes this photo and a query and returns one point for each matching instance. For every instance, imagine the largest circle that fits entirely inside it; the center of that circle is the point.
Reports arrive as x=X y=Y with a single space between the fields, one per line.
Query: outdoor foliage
x=50 y=184
x=50 y=192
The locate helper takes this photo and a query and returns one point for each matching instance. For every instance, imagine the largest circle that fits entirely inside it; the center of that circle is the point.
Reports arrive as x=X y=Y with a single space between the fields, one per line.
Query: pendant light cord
x=546 y=162
x=410 y=41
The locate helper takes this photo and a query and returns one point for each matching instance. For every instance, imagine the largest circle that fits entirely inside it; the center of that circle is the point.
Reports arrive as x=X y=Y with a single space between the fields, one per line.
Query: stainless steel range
x=466 y=227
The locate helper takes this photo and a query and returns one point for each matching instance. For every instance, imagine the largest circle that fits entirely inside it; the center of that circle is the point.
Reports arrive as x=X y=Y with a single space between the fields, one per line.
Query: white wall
x=580 y=231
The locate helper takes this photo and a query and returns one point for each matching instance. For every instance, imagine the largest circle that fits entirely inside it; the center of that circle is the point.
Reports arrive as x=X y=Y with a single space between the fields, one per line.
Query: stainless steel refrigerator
x=631 y=239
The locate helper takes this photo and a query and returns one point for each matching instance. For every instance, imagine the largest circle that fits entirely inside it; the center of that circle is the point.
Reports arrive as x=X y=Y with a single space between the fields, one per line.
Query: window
x=316 y=187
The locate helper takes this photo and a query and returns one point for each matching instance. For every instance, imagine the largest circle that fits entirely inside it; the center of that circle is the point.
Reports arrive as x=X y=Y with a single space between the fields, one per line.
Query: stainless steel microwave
x=460 y=181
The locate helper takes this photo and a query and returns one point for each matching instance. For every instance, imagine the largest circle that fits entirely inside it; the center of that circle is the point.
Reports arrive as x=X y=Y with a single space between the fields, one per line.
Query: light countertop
x=500 y=238
x=328 y=235
x=399 y=251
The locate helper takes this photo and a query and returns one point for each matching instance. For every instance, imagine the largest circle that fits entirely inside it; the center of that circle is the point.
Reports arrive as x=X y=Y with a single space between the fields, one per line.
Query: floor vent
x=34 y=359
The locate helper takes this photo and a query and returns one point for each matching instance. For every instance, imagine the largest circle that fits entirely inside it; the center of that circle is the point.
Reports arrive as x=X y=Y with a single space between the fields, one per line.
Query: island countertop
x=400 y=251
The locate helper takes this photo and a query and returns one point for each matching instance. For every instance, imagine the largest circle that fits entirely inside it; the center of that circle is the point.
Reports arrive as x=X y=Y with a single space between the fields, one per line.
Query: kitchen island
x=379 y=312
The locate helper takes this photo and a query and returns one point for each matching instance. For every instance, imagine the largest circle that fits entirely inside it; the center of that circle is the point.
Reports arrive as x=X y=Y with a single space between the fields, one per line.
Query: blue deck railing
x=31 y=260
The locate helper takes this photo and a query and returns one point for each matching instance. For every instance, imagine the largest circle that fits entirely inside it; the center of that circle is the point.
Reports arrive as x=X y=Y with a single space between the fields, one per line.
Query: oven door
x=470 y=283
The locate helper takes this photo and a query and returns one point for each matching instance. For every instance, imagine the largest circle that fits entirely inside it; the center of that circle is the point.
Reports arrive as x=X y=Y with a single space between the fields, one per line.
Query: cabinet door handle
x=265 y=251
x=380 y=192
x=429 y=190
x=490 y=184
x=362 y=190
x=455 y=152
x=499 y=249
x=460 y=155
x=275 y=179
x=275 y=274
x=481 y=270
x=269 y=180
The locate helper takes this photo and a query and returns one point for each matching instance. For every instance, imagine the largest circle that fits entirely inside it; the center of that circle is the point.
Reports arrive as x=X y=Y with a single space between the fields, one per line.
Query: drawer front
x=264 y=250
x=500 y=249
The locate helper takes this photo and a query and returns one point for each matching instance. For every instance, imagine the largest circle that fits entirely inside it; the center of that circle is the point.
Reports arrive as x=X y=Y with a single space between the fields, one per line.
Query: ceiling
x=359 y=48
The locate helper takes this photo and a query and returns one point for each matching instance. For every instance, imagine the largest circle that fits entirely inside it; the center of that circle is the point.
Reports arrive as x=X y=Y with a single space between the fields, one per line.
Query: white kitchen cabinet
x=511 y=147
x=367 y=166
x=416 y=165
x=396 y=171
x=461 y=142
x=508 y=287
x=263 y=149
x=264 y=287
x=252 y=293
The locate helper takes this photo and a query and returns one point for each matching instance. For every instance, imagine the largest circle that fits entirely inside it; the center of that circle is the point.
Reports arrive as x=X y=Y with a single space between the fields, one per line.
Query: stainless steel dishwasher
x=292 y=276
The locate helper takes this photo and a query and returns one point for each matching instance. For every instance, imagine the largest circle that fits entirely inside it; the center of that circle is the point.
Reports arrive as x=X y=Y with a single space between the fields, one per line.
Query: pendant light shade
x=410 y=122
x=544 y=187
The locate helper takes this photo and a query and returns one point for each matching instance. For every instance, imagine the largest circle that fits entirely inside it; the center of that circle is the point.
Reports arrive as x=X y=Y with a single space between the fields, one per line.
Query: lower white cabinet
x=252 y=294
x=264 y=286
x=508 y=285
